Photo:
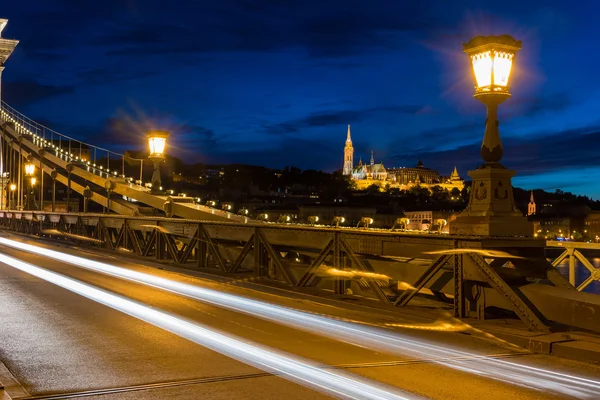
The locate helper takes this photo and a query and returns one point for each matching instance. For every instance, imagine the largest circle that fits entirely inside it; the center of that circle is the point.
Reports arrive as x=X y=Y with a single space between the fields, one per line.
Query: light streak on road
x=340 y=385
x=359 y=334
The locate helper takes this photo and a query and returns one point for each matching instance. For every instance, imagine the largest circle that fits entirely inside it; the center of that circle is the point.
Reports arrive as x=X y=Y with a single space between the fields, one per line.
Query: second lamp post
x=157 y=140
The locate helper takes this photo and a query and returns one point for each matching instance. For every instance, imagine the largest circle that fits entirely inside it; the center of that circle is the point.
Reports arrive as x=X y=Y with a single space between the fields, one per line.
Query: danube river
x=582 y=273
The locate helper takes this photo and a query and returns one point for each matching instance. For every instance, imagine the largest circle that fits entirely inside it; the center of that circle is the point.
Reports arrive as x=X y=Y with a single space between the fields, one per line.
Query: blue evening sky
x=275 y=82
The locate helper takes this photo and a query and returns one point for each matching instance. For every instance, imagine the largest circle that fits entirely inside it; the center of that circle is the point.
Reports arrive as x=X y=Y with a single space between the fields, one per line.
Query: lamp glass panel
x=157 y=145
x=29 y=169
x=502 y=67
x=482 y=66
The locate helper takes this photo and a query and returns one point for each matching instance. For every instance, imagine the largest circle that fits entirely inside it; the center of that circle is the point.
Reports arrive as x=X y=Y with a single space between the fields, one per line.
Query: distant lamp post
x=13 y=188
x=491 y=210
x=263 y=217
x=401 y=223
x=337 y=221
x=30 y=173
x=365 y=222
x=157 y=142
x=284 y=219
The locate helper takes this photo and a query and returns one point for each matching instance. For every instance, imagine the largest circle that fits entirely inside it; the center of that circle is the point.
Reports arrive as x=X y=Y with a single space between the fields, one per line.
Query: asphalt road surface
x=115 y=338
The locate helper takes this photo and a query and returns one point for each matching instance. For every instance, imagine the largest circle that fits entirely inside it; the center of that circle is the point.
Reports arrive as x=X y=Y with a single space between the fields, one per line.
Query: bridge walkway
x=65 y=155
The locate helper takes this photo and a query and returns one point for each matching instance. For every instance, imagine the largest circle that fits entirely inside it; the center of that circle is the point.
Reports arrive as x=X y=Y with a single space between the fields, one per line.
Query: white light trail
x=358 y=334
x=341 y=385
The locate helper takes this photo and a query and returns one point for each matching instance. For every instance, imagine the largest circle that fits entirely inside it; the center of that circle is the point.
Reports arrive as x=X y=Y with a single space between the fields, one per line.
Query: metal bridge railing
x=77 y=152
x=573 y=254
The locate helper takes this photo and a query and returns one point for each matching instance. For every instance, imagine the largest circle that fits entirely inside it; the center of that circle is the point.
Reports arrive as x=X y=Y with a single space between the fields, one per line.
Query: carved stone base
x=491 y=210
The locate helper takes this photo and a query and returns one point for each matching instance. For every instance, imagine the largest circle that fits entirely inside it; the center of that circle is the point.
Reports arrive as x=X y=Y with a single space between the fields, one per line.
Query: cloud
x=531 y=106
x=339 y=117
x=531 y=155
x=336 y=28
x=24 y=93
x=99 y=76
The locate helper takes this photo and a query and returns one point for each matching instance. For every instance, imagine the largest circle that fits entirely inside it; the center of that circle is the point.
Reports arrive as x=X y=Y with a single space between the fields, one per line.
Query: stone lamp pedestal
x=491 y=210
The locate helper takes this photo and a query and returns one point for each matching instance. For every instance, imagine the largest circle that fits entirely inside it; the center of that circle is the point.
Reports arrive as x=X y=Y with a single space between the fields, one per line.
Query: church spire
x=372 y=158
x=454 y=175
x=531 y=207
x=348 y=155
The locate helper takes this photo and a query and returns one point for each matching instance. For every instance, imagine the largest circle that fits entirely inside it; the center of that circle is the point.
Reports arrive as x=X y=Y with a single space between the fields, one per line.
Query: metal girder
x=150 y=243
x=560 y=258
x=188 y=248
x=358 y=262
x=204 y=236
x=521 y=306
x=366 y=250
x=245 y=251
x=309 y=275
x=420 y=283
x=283 y=269
x=459 y=287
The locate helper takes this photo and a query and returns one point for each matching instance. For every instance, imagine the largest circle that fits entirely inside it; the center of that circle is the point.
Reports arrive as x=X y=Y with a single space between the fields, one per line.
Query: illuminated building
x=371 y=171
x=531 y=207
x=365 y=175
x=417 y=175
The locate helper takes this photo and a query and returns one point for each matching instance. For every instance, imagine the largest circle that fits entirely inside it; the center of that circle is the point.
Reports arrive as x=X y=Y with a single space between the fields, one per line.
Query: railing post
x=53 y=175
x=572 y=261
x=69 y=169
x=459 y=298
x=41 y=152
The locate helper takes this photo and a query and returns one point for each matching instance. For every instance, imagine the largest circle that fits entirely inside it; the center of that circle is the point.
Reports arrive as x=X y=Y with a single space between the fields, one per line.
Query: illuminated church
x=365 y=175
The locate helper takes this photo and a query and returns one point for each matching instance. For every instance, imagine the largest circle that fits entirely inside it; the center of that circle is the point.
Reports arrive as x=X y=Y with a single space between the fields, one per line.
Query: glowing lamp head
x=339 y=220
x=157 y=141
x=492 y=59
x=29 y=169
x=13 y=187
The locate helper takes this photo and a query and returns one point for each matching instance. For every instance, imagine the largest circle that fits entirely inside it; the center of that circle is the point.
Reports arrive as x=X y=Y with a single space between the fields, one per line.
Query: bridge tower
x=348 y=155
x=7 y=46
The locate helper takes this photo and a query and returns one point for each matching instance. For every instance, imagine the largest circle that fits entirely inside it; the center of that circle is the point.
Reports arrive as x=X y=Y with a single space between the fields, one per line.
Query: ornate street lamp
x=30 y=173
x=491 y=210
x=157 y=141
x=492 y=59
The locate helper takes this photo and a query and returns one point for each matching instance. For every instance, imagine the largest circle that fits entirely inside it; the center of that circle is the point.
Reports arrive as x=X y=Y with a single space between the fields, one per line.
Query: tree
x=373 y=189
